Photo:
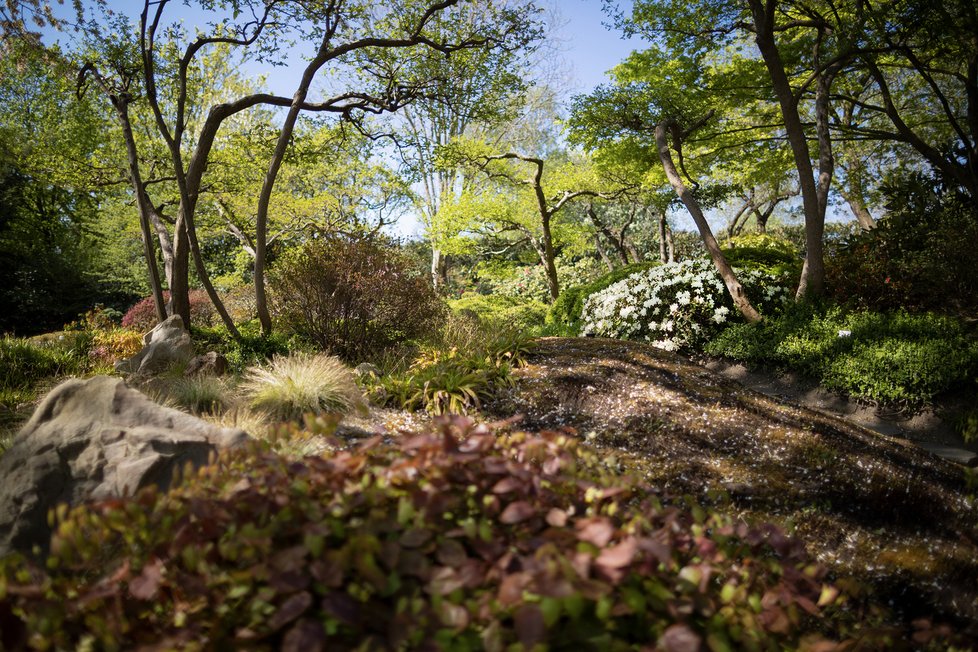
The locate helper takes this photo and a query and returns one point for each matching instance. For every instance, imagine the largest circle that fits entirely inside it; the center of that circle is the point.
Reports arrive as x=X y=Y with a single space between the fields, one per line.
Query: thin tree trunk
x=603 y=253
x=144 y=206
x=671 y=244
x=603 y=228
x=813 y=271
x=548 y=259
x=663 y=256
x=734 y=287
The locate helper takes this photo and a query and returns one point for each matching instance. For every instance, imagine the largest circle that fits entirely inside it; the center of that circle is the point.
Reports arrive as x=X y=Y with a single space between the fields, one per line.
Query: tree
x=655 y=100
x=471 y=90
x=168 y=67
x=527 y=197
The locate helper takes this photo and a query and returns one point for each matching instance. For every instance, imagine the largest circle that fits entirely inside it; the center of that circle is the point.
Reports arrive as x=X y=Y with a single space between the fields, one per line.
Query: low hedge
x=459 y=538
x=895 y=358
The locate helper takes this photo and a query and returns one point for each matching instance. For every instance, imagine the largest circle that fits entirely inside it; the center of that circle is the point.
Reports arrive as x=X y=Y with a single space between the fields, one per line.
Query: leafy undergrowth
x=460 y=538
x=874 y=509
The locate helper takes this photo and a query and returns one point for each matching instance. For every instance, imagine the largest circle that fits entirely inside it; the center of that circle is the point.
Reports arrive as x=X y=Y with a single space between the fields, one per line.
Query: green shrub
x=889 y=358
x=353 y=297
x=765 y=253
x=564 y=316
x=523 y=314
x=253 y=348
x=469 y=362
x=290 y=387
x=529 y=283
x=457 y=539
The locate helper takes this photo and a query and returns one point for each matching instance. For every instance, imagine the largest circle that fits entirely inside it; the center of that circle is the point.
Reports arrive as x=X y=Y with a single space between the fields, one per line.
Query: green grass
x=291 y=387
x=895 y=359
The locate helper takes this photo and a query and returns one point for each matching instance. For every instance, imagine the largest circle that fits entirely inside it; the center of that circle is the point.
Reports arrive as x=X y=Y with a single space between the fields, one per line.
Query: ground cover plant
x=890 y=358
x=469 y=361
x=458 y=538
x=676 y=305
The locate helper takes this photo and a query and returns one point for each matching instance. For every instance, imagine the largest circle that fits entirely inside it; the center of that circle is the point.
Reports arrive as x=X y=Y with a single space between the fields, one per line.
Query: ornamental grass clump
x=290 y=387
x=676 y=305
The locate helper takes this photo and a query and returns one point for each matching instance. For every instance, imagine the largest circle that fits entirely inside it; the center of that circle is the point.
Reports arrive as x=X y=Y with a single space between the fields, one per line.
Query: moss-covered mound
x=872 y=508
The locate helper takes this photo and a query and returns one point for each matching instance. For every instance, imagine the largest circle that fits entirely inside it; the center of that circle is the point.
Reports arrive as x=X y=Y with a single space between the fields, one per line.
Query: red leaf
x=305 y=636
x=511 y=588
x=147 y=584
x=680 y=638
x=507 y=485
x=291 y=609
x=451 y=553
x=557 y=517
x=443 y=581
x=598 y=530
x=517 y=512
x=618 y=556
x=530 y=626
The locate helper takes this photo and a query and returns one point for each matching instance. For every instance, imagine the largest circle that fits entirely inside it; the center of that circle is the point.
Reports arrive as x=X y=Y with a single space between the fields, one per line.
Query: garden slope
x=870 y=507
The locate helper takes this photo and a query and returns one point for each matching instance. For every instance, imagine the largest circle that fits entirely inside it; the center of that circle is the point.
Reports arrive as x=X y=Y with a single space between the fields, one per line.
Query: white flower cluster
x=675 y=305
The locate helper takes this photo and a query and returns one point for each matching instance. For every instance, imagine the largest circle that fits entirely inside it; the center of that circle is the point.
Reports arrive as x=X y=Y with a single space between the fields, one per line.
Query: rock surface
x=211 y=363
x=94 y=439
x=167 y=344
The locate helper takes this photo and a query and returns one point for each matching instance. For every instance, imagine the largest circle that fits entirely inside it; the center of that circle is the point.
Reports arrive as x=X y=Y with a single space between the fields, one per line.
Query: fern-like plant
x=290 y=387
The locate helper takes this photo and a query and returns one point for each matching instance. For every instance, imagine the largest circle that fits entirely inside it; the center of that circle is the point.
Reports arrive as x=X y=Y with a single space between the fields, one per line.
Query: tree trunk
x=734 y=287
x=663 y=256
x=439 y=271
x=603 y=228
x=603 y=253
x=548 y=259
x=813 y=271
x=144 y=206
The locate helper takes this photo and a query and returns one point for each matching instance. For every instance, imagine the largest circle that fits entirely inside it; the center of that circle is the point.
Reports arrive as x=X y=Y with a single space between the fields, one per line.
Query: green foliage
x=199 y=394
x=469 y=361
x=522 y=314
x=564 y=316
x=919 y=257
x=291 y=387
x=765 y=253
x=529 y=282
x=459 y=538
x=353 y=297
x=24 y=363
x=253 y=347
x=889 y=358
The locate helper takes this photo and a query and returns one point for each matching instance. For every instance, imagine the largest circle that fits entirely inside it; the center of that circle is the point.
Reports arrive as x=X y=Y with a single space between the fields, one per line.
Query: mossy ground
x=901 y=522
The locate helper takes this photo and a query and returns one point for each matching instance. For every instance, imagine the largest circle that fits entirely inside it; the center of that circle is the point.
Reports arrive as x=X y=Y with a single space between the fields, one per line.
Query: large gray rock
x=93 y=439
x=167 y=344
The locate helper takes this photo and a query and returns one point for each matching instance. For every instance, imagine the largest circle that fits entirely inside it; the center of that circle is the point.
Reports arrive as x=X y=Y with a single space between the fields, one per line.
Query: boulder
x=211 y=363
x=95 y=439
x=167 y=344
x=367 y=369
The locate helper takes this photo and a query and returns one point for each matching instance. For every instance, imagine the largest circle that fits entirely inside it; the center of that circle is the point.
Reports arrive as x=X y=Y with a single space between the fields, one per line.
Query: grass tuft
x=290 y=387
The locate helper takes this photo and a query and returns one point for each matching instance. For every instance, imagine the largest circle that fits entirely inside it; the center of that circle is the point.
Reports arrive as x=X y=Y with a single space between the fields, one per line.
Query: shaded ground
x=874 y=507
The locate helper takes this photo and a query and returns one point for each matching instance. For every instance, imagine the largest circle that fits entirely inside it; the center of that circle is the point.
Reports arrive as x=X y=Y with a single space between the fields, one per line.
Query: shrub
x=529 y=283
x=525 y=314
x=919 y=257
x=564 y=316
x=470 y=362
x=458 y=539
x=765 y=253
x=353 y=297
x=142 y=315
x=109 y=346
x=253 y=347
x=293 y=386
x=673 y=306
x=897 y=358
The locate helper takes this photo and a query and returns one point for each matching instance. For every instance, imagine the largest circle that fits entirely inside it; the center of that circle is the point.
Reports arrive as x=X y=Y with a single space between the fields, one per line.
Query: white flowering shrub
x=677 y=305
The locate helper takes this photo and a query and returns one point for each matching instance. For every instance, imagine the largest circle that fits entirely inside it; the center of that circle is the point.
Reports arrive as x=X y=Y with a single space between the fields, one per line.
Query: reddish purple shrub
x=142 y=316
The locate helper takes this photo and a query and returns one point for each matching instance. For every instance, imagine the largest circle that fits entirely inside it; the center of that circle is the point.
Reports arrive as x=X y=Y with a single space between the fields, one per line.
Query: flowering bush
x=142 y=316
x=676 y=305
